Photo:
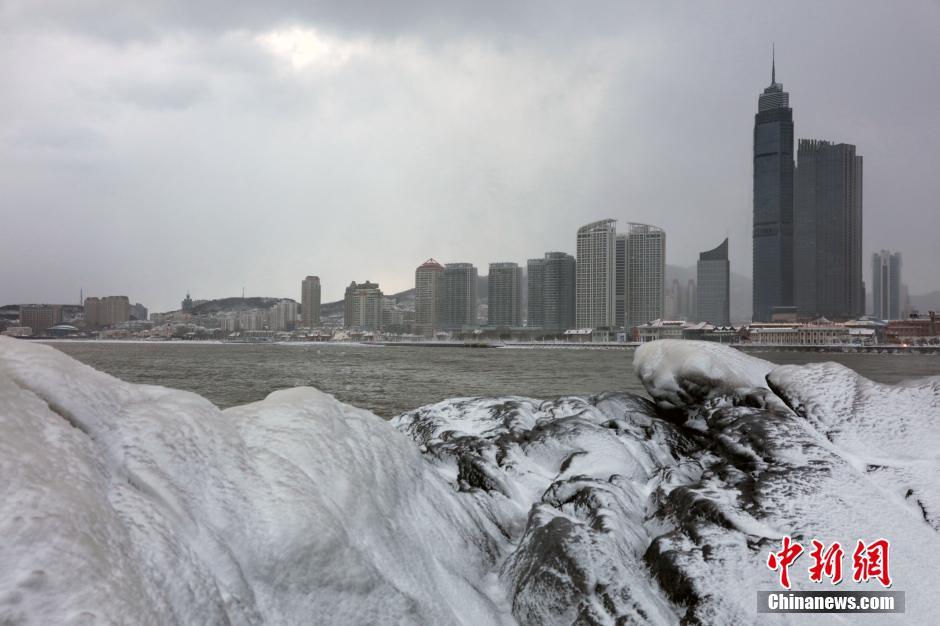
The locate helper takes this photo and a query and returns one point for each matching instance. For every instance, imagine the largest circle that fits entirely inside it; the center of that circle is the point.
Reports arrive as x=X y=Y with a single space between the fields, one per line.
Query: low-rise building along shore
x=814 y=334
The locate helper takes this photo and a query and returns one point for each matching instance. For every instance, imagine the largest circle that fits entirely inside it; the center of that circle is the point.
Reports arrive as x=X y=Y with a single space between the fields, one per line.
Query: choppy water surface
x=390 y=380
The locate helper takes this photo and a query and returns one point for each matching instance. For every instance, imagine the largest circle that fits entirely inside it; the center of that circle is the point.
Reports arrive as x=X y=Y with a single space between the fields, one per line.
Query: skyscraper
x=596 y=275
x=459 y=305
x=645 y=274
x=714 y=286
x=690 y=301
x=558 y=292
x=828 y=231
x=773 y=201
x=504 y=291
x=886 y=285
x=680 y=301
x=551 y=282
x=672 y=301
x=310 y=301
x=535 y=305
x=428 y=298
x=363 y=306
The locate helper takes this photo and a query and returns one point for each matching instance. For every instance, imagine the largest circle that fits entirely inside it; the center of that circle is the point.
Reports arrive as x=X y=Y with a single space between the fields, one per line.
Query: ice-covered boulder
x=680 y=374
x=131 y=504
x=844 y=464
x=569 y=481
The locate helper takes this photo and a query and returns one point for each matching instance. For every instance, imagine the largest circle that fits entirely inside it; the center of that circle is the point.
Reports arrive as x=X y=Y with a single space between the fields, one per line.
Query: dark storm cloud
x=214 y=145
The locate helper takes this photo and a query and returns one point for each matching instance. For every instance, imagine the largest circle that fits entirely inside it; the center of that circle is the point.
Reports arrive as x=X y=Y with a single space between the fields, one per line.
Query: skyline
x=154 y=169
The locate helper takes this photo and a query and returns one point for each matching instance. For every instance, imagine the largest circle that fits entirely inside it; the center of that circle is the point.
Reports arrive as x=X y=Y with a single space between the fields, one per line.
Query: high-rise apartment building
x=228 y=322
x=107 y=311
x=690 y=301
x=363 y=306
x=680 y=301
x=138 y=312
x=828 y=231
x=714 y=286
x=459 y=299
x=393 y=317
x=428 y=298
x=283 y=315
x=252 y=320
x=887 y=290
x=645 y=271
x=551 y=282
x=619 y=277
x=672 y=301
x=310 y=301
x=535 y=305
x=773 y=202
x=504 y=290
x=596 y=283
x=40 y=317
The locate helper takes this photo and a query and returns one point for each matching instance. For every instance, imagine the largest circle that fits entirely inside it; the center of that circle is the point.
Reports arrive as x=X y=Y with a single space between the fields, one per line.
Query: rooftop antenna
x=243 y=293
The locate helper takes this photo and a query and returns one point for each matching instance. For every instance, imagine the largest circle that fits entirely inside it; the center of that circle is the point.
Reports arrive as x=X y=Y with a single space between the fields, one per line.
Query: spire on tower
x=773 y=63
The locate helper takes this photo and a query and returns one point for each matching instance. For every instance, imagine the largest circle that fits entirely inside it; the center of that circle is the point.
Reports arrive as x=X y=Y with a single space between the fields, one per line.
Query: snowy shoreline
x=744 y=348
x=133 y=503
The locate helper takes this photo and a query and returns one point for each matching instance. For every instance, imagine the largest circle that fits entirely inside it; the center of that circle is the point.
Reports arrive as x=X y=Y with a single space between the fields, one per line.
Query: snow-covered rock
x=569 y=482
x=679 y=374
x=132 y=504
x=846 y=459
x=889 y=432
x=124 y=503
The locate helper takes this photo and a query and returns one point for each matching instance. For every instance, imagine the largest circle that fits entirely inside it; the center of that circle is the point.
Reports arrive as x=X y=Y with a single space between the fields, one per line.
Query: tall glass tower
x=886 y=285
x=827 y=222
x=713 y=303
x=773 y=201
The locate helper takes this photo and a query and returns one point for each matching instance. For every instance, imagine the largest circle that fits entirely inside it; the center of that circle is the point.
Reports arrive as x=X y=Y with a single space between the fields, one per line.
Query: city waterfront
x=390 y=380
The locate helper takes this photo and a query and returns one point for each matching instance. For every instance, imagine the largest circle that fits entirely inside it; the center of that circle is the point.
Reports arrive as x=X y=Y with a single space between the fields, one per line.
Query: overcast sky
x=148 y=149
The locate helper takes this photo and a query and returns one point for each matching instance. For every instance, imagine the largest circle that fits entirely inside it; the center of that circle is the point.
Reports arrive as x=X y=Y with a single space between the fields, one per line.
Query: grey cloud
x=146 y=20
x=161 y=94
x=56 y=138
x=466 y=131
